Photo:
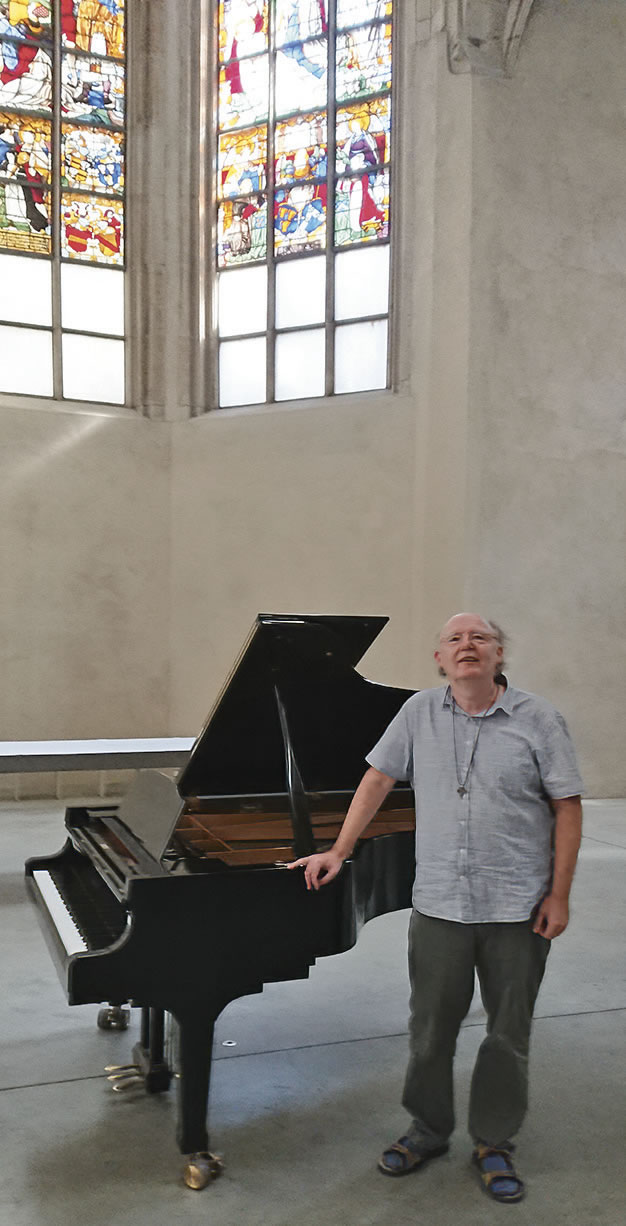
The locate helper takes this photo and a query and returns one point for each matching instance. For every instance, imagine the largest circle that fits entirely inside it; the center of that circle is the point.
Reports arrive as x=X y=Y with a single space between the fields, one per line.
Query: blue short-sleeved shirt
x=487 y=856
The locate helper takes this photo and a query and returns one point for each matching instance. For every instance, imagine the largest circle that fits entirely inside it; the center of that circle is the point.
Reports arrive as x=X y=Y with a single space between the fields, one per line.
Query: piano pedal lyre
x=200 y=1169
x=114 y=1017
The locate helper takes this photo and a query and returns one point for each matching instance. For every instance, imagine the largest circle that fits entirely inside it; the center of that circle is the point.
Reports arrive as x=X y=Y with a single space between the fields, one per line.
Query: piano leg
x=195 y=1048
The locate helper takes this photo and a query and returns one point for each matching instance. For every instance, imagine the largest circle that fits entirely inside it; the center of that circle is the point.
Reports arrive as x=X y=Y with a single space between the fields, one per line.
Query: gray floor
x=307 y=1097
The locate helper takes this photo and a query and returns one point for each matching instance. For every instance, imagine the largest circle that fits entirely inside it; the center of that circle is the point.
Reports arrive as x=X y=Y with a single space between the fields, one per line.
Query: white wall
x=548 y=368
x=84 y=605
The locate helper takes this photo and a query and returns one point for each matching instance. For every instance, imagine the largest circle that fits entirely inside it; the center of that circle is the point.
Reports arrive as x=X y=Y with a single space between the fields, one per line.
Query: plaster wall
x=548 y=369
x=84 y=600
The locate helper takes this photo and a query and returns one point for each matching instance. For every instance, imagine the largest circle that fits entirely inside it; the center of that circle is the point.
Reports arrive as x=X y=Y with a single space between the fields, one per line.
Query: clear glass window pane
x=361 y=357
x=300 y=365
x=93 y=369
x=300 y=292
x=26 y=361
x=242 y=301
x=242 y=372
x=362 y=283
x=92 y=299
x=25 y=290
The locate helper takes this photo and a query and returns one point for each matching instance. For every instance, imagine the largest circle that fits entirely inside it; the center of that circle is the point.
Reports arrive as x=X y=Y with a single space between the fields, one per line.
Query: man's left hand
x=552 y=917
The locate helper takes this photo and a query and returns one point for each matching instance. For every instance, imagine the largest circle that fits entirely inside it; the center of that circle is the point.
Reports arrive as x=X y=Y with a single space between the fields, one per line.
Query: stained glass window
x=62 y=65
x=303 y=181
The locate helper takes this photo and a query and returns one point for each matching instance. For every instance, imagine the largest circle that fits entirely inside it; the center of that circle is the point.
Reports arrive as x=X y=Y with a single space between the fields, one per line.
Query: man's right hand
x=320 y=868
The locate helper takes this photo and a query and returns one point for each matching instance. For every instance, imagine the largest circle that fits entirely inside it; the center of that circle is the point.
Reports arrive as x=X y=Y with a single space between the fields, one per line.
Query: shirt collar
x=505 y=700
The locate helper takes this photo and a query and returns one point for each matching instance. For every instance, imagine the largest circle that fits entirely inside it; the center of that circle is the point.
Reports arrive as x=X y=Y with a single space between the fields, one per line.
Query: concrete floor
x=304 y=1102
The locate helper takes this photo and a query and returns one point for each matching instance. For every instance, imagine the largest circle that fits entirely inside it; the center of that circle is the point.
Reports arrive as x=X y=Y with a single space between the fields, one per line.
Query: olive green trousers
x=510 y=961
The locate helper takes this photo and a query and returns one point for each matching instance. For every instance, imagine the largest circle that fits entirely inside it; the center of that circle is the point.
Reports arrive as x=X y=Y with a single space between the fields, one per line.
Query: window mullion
x=271 y=259
x=55 y=207
x=330 y=200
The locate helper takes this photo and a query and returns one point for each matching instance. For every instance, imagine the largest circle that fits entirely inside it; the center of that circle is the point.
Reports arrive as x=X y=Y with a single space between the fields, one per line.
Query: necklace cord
x=462 y=787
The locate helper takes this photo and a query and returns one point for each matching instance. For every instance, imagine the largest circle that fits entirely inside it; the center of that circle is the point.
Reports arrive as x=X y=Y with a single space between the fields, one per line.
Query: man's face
x=468 y=649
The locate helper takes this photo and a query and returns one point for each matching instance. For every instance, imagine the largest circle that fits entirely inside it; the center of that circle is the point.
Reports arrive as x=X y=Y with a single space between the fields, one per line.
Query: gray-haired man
x=498 y=827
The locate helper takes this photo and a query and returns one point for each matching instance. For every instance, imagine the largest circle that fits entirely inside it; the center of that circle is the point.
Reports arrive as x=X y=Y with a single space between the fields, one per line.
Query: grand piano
x=178 y=900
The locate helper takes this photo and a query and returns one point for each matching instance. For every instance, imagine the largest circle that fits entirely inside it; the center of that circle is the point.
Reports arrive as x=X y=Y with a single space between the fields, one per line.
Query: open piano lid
x=294 y=694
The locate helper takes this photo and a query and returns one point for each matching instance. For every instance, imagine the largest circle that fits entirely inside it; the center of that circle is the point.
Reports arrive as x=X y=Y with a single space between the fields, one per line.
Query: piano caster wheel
x=114 y=1017
x=201 y=1169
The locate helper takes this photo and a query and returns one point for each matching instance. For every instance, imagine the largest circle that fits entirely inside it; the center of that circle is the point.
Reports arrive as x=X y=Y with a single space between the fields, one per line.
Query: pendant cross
x=462 y=791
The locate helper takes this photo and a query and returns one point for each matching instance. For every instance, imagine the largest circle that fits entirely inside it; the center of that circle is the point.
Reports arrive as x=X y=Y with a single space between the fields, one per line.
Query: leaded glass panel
x=300 y=219
x=304 y=137
x=363 y=134
x=244 y=92
x=92 y=159
x=362 y=208
x=92 y=228
x=30 y=23
x=301 y=149
x=296 y=21
x=24 y=218
x=96 y=26
x=363 y=61
x=93 y=91
x=242 y=162
x=358 y=12
x=301 y=76
x=25 y=142
x=61 y=195
x=243 y=26
x=242 y=230
x=25 y=76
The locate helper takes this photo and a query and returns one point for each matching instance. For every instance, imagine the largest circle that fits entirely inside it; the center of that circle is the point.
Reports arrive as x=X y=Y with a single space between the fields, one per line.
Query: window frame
x=55 y=260
x=330 y=252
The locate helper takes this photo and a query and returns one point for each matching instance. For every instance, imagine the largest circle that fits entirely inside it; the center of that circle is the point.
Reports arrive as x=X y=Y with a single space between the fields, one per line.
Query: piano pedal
x=113 y=1017
x=124 y=1077
x=201 y=1169
x=128 y=1083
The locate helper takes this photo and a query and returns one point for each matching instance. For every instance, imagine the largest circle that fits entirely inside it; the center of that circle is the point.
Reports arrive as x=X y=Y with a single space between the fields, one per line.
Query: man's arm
x=322 y=867
x=553 y=914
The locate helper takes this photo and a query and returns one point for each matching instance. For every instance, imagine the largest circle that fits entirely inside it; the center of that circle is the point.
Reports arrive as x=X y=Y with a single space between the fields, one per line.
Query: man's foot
x=407 y=1155
x=497 y=1173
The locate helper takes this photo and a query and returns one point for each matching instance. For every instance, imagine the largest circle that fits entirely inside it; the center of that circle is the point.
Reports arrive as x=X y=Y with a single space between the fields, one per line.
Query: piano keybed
x=241 y=839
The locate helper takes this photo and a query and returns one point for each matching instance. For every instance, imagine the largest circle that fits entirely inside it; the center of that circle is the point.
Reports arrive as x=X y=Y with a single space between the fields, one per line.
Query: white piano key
x=69 y=934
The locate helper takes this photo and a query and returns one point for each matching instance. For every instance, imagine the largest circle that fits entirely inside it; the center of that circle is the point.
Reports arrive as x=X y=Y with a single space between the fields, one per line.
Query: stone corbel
x=484 y=36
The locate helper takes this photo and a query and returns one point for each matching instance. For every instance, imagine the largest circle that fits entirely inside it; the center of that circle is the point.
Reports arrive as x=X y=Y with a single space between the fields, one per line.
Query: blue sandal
x=405 y=1156
x=497 y=1174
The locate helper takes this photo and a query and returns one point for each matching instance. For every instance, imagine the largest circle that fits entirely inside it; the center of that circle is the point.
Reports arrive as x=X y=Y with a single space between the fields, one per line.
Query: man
x=498 y=827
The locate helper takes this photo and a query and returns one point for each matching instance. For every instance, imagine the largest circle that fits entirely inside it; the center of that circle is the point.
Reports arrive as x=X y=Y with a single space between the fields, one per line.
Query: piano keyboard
x=62 y=921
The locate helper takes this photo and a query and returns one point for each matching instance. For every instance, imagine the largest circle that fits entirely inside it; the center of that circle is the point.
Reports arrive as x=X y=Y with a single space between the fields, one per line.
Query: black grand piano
x=178 y=901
